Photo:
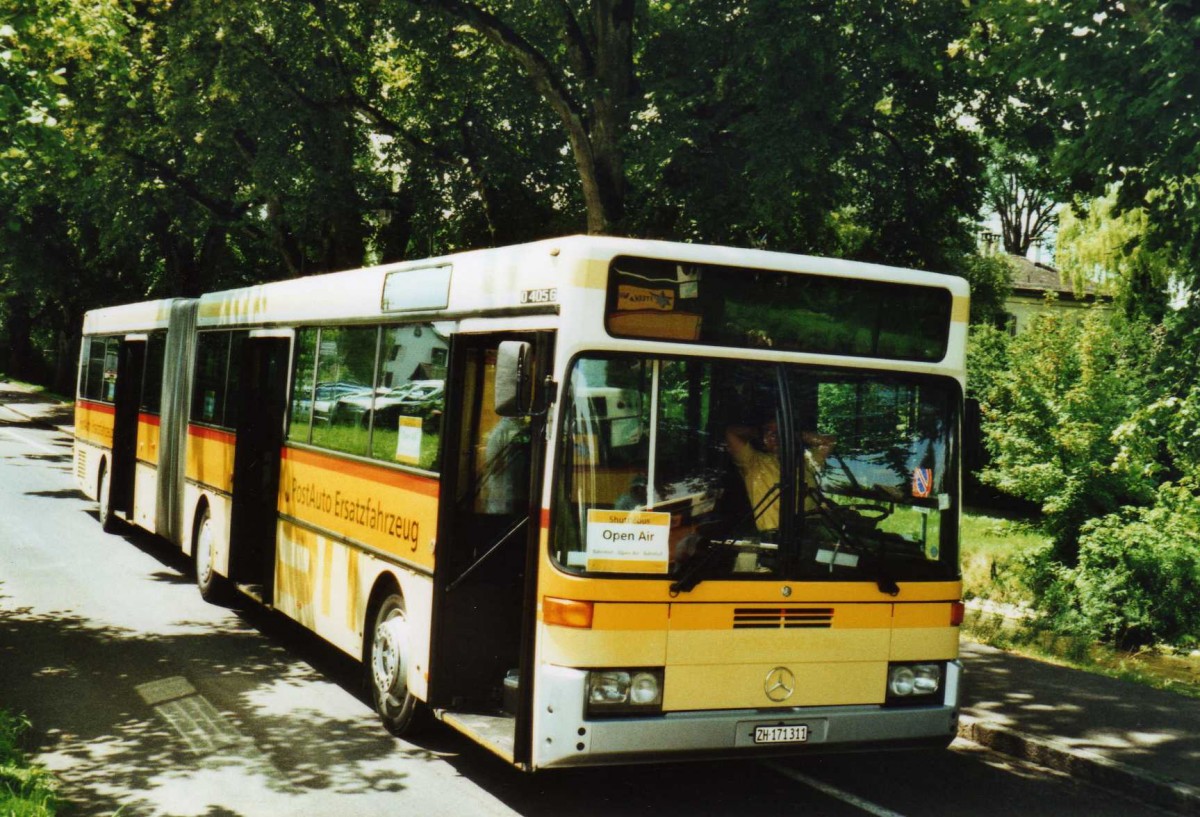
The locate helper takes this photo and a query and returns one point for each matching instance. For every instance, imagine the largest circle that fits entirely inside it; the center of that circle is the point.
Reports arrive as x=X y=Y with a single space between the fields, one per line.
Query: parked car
x=418 y=398
x=319 y=402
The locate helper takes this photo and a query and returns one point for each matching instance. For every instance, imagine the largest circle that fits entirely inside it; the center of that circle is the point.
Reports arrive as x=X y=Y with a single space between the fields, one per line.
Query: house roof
x=1036 y=278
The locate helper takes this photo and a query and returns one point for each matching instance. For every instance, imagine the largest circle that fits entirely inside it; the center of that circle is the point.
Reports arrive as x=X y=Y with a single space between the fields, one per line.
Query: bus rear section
x=134 y=375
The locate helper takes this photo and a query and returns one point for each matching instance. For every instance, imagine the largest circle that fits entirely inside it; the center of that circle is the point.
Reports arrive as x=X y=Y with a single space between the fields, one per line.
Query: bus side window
x=208 y=394
x=152 y=382
x=300 y=418
x=93 y=386
x=344 y=388
x=407 y=426
x=112 y=354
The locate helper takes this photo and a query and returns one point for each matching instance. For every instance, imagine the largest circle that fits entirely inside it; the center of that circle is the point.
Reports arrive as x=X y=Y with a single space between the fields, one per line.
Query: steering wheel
x=871 y=513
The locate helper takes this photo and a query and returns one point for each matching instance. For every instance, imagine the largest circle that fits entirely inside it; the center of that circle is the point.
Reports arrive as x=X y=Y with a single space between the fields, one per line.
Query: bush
x=1137 y=580
x=26 y=790
x=1050 y=418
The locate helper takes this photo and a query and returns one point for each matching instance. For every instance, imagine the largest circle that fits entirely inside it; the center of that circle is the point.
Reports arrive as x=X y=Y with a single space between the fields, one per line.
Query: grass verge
x=1003 y=615
x=26 y=789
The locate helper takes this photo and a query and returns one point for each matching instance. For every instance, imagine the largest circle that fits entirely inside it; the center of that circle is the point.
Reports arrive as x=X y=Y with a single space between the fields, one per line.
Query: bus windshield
x=701 y=469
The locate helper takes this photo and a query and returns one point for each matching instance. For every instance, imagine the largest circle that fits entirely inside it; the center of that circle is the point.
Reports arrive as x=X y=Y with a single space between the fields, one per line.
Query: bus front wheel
x=387 y=668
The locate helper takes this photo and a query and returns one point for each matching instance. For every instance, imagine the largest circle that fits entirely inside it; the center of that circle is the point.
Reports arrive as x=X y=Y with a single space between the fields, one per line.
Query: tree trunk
x=611 y=103
x=19 y=324
x=66 y=363
x=592 y=101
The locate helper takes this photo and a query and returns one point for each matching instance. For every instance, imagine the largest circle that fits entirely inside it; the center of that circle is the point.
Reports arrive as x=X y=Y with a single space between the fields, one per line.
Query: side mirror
x=514 y=379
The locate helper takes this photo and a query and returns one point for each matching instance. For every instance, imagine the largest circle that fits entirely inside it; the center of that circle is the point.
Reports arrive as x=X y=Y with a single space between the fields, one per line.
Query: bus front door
x=484 y=613
x=130 y=367
x=261 y=394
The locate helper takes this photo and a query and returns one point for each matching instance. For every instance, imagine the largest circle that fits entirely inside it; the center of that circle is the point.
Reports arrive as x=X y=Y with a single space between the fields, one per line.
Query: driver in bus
x=755 y=452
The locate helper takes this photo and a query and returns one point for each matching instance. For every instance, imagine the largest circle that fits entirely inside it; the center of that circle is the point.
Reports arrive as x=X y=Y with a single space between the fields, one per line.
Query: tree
x=51 y=253
x=172 y=148
x=1107 y=75
x=1020 y=191
x=582 y=67
x=813 y=127
x=1050 y=419
x=1106 y=248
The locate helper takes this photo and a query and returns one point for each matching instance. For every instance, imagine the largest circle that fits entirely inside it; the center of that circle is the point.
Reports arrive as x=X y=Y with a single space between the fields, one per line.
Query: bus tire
x=387 y=668
x=213 y=587
x=108 y=520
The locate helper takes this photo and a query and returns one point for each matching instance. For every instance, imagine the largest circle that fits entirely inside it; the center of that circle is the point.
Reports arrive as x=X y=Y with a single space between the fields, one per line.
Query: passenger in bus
x=636 y=497
x=505 y=472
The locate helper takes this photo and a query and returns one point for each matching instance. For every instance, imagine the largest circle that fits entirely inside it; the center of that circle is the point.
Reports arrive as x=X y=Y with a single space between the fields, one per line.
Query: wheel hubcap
x=204 y=559
x=387 y=656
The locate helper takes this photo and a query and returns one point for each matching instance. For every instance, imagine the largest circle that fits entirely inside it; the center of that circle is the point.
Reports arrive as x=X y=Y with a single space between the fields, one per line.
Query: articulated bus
x=588 y=500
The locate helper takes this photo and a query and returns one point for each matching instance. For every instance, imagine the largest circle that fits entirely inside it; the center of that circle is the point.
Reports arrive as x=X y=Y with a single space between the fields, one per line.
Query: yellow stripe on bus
x=393 y=512
x=210 y=457
x=94 y=423
x=960 y=309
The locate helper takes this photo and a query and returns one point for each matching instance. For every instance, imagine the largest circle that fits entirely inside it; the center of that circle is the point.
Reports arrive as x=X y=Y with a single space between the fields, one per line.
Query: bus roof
x=139 y=317
x=516 y=279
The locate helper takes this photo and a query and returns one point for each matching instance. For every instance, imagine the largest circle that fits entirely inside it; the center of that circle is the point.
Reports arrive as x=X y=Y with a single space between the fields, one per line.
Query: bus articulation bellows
x=588 y=500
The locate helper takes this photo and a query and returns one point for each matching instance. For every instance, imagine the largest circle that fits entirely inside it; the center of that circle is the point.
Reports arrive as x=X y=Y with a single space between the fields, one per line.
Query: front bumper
x=563 y=737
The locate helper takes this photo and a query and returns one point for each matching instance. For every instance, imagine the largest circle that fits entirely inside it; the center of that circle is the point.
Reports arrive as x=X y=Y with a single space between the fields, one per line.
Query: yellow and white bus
x=588 y=500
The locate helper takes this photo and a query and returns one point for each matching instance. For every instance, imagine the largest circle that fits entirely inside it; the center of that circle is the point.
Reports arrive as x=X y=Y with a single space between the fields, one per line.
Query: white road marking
x=21 y=438
x=833 y=791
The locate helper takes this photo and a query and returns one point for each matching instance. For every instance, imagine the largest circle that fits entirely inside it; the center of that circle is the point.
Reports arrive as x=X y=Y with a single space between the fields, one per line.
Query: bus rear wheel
x=213 y=587
x=108 y=520
x=387 y=669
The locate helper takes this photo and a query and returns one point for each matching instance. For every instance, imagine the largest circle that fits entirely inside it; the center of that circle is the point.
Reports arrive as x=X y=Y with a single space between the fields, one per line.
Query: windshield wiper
x=838 y=519
x=708 y=546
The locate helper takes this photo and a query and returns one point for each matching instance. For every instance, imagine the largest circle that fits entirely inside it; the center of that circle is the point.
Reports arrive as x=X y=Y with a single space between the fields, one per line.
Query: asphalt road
x=146 y=700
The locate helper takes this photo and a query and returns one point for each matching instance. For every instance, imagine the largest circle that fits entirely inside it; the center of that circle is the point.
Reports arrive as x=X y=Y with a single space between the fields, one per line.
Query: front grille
x=81 y=463
x=782 y=618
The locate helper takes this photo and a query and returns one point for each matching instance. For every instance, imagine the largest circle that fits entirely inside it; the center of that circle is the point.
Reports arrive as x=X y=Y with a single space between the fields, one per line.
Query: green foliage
x=990 y=278
x=835 y=133
x=1137 y=580
x=987 y=359
x=1107 y=248
x=1050 y=419
x=1118 y=82
x=169 y=148
x=25 y=790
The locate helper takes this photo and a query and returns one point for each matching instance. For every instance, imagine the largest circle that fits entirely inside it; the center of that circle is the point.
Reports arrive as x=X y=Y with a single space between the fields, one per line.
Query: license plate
x=781 y=734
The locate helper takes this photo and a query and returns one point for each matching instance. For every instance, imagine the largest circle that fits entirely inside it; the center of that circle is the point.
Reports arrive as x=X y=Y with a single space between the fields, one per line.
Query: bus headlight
x=624 y=692
x=908 y=681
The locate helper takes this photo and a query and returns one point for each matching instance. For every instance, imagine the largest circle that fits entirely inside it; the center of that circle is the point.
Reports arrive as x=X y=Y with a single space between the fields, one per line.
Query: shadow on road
x=259 y=709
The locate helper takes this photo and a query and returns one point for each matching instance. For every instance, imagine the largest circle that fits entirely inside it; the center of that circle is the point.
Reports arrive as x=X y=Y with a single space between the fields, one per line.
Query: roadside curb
x=36 y=418
x=1081 y=764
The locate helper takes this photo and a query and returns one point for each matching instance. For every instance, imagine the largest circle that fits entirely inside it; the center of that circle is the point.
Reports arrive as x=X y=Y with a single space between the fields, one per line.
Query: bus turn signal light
x=567 y=613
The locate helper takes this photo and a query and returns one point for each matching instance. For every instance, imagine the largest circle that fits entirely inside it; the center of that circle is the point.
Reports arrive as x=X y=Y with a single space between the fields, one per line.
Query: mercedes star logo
x=779 y=684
